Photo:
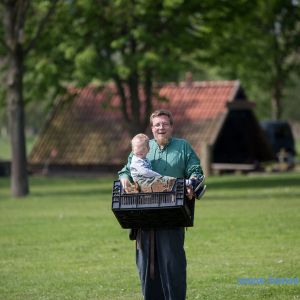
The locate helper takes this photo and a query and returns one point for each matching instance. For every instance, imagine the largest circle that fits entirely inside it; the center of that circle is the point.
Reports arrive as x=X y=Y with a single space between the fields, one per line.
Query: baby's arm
x=141 y=168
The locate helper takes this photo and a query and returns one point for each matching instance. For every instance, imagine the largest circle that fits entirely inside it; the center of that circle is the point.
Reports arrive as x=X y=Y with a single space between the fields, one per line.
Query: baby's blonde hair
x=141 y=138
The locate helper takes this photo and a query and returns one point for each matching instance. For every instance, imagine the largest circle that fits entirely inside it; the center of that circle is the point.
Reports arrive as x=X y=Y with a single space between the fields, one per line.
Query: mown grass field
x=63 y=242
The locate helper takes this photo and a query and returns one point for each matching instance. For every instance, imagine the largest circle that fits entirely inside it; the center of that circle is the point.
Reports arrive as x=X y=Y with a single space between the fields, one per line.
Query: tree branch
x=118 y=82
x=20 y=10
x=148 y=92
x=17 y=12
x=24 y=12
x=43 y=22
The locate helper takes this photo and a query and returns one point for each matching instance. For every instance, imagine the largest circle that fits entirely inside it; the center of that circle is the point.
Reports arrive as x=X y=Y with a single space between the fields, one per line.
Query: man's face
x=140 y=149
x=162 y=130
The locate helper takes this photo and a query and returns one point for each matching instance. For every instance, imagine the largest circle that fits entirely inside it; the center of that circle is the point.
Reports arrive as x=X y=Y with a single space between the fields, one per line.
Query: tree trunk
x=14 y=15
x=15 y=111
x=121 y=92
x=133 y=83
x=276 y=100
x=135 y=124
x=148 y=94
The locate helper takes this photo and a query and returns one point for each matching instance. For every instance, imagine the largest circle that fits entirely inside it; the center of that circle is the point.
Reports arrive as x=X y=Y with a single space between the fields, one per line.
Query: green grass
x=63 y=242
x=5 y=149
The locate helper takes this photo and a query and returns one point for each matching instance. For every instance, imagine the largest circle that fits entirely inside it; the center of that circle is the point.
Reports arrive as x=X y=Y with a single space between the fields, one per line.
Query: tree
x=258 y=42
x=14 y=14
x=133 y=43
x=291 y=100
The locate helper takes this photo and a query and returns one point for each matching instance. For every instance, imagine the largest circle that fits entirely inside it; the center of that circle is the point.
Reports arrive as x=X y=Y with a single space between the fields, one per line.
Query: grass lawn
x=63 y=241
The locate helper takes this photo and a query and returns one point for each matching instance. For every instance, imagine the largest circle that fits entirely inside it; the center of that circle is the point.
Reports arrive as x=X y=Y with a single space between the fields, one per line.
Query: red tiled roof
x=85 y=133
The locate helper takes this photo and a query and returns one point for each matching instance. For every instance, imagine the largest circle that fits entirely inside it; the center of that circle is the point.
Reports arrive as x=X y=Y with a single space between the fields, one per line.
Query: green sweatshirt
x=176 y=159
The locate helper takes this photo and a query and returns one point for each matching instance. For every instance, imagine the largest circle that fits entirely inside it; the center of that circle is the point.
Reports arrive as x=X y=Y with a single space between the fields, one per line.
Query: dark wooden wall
x=241 y=140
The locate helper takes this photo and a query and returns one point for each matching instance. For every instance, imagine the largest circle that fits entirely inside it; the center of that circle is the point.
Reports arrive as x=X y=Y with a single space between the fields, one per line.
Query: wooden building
x=216 y=118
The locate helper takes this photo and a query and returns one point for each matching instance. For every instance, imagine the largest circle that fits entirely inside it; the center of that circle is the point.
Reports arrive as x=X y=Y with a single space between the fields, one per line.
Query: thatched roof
x=83 y=132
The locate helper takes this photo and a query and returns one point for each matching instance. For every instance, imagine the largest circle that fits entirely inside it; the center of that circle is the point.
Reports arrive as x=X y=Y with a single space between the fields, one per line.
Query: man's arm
x=124 y=174
x=193 y=168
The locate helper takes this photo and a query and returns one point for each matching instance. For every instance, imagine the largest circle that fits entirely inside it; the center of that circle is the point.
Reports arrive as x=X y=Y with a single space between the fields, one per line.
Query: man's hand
x=125 y=182
x=189 y=191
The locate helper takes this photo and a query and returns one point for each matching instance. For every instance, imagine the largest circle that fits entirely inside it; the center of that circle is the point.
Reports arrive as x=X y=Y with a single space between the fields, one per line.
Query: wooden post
x=206 y=159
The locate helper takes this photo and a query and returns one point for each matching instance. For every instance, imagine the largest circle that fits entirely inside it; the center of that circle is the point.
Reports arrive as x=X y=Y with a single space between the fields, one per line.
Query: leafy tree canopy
x=258 y=42
x=131 y=43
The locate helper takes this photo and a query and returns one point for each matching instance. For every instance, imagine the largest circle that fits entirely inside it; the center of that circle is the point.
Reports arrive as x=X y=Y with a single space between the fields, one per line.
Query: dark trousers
x=169 y=267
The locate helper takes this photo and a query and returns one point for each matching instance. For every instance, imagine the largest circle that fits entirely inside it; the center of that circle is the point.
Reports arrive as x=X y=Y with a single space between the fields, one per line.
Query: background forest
x=86 y=41
x=48 y=46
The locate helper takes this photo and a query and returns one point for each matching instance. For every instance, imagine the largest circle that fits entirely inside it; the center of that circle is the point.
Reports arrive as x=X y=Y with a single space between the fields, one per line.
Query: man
x=170 y=157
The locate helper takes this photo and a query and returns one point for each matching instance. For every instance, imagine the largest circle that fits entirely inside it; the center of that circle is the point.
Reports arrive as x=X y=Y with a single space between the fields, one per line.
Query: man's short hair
x=161 y=112
x=141 y=138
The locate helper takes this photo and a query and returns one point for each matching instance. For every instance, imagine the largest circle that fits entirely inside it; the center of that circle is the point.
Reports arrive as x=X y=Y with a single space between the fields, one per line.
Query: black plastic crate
x=153 y=210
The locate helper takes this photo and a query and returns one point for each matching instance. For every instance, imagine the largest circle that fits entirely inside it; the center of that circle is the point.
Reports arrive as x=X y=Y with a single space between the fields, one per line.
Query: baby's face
x=140 y=149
